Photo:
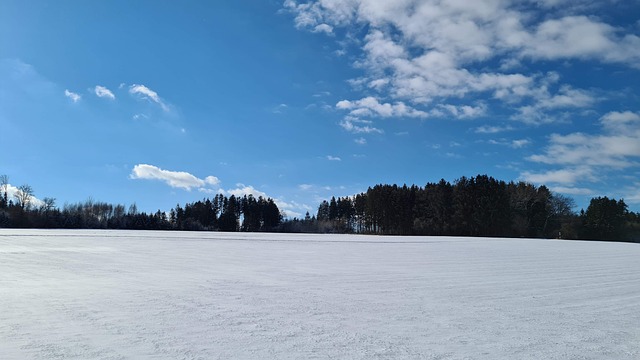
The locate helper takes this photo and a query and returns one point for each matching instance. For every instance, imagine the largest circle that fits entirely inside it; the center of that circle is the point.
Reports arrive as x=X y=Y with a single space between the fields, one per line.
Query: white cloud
x=516 y=144
x=305 y=187
x=243 y=190
x=359 y=126
x=360 y=141
x=562 y=176
x=572 y=190
x=581 y=37
x=545 y=103
x=486 y=129
x=581 y=156
x=621 y=122
x=633 y=194
x=327 y=29
x=73 y=96
x=148 y=94
x=175 y=179
x=609 y=150
x=209 y=191
x=370 y=106
x=12 y=191
x=292 y=209
x=333 y=158
x=465 y=111
x=289 y=208
x=212 y=180
x=103 y=92
x=421 y=54
x=279 y=109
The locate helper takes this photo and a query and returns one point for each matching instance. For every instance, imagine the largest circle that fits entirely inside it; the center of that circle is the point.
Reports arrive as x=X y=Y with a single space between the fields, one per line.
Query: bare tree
x=24 y=195
x=48 y=204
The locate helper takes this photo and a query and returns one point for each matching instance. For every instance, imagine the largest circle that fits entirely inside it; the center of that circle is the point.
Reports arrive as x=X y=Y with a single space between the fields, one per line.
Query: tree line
x=221 y=213
x=471 y=206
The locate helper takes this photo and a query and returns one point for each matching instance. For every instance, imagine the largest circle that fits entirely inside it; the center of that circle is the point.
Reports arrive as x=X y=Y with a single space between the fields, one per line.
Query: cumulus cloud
x=422 y=54
x=146 y=93
x=544 y=104
x=327 y=29
x=580 y=156
x=175 y=179
x=73 y=96
x=617 y=147
x=621 y=122
x=103 y=92
x=243 y=190
x=13 y=190
x=370 y=106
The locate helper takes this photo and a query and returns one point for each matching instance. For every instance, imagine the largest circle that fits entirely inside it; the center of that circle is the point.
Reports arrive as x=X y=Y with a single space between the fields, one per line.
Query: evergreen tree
x=605 y=219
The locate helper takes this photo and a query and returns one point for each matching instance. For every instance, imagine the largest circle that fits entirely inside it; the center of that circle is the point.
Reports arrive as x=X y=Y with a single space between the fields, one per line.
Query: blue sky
x=160 y=103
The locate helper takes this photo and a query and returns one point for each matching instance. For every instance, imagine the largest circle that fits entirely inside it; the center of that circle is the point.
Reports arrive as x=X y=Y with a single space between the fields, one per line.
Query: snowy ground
x=169 y=295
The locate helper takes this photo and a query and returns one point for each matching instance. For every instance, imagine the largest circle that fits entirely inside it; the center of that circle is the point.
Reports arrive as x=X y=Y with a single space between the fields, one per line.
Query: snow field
x=189 y=295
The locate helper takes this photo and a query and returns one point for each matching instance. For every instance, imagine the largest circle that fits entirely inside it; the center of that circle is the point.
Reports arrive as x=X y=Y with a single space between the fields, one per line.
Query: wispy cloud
x=359 y=126
x=562 y=176
x=146 y=93
x=519 y=143
x=103 y=92
x=140 y=116
x=73 y=96
x=572 y=190
x=360 y=141
x=487 y=129
x=333 y=158
x=633 y=193
x=279 y=109
x=516 y=144
x=175 y=179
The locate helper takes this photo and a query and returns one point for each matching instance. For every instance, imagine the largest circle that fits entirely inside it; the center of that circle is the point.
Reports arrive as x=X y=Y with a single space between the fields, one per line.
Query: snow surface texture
x=188 y=295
